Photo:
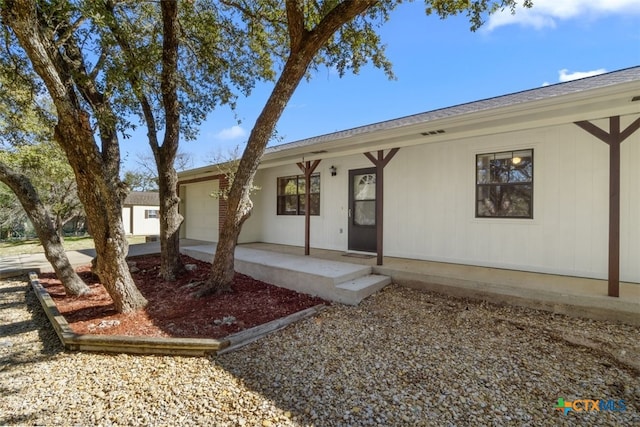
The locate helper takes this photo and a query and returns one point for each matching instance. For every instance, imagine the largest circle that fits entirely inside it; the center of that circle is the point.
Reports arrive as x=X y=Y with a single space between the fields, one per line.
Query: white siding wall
x=568 y=234
x=201 y=212
x=429 y=205
x=145 y=226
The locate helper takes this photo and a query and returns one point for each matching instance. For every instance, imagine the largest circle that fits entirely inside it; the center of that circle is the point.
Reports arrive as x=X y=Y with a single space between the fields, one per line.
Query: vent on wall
x=432 y=132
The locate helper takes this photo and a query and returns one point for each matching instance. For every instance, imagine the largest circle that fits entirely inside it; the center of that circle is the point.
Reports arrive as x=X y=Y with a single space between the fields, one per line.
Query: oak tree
x=300 y=36
x=52 y=36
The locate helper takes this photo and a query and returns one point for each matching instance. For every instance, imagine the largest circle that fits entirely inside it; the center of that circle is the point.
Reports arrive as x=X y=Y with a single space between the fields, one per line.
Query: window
x=364 y=199
x=151 y=213
x=292 y=193
x=504 y=184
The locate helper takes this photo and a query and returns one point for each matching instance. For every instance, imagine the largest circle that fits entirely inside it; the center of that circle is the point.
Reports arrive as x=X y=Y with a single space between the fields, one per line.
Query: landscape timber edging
x=120 y=343
x=158 y=346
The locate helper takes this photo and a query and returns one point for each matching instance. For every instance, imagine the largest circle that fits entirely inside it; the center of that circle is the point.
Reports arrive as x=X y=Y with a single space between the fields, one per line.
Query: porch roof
x=589 y=98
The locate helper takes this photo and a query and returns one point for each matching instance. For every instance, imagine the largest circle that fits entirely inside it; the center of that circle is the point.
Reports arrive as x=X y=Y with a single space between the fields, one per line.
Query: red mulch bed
x=173 y=311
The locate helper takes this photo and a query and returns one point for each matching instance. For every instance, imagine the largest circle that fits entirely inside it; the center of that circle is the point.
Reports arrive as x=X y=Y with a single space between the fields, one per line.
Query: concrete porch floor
x=573 y=296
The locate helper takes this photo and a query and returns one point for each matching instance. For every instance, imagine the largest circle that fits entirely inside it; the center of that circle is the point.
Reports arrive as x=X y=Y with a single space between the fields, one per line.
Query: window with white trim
x=151 y=213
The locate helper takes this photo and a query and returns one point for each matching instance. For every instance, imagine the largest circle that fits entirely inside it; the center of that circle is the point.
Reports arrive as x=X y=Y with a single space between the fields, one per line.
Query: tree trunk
x=102 y=195
x=59 y=228
x=96 y=169
x=304 y=45
x=165 y=155
x=43 y=224
x=171 y=263
x=222 y=269
x=239 y=204
x=170 y=219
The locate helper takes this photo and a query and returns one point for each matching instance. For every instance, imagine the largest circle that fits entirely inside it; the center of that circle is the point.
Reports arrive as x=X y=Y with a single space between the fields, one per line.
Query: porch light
x=333 y=170
x=516 y=160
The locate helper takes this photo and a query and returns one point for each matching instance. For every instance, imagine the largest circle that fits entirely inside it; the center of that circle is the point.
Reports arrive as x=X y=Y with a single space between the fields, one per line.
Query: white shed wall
x=144 y=226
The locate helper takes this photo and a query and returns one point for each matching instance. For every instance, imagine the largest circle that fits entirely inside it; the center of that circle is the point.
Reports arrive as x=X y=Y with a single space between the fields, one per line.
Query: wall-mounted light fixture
x=333 y=170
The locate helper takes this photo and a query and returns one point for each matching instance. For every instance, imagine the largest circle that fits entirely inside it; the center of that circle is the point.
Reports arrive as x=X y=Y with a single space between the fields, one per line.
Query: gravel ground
x=401 y=358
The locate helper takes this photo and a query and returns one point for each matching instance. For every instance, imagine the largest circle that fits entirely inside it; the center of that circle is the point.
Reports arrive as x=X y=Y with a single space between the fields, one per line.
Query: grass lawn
x=21 y=247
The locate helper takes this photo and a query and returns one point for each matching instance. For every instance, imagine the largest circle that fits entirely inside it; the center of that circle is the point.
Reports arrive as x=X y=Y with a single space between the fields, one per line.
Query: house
x=141 y=213
x=544 y=180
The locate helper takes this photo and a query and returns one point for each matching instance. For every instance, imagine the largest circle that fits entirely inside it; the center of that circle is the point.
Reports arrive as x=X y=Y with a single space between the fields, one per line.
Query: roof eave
x=584 y=105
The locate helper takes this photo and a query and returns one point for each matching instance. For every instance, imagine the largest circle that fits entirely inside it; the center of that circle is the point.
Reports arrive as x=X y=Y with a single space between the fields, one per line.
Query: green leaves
x=476 y=10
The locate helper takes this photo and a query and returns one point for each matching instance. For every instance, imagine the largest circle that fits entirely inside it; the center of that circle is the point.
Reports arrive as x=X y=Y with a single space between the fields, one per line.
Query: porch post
x=614 y=139
x=380 y=162
x=307 y=168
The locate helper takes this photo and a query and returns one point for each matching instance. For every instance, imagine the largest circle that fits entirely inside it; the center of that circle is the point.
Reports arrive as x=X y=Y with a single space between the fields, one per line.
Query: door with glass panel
x=362 y=210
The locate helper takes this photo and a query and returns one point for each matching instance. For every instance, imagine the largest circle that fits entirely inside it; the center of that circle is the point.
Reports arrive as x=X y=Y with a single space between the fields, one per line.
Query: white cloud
x=234 y=132
x=564 y=75
x=546 y=13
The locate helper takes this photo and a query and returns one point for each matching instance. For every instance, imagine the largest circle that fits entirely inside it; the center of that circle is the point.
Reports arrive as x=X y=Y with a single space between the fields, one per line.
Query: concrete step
x=302 y=274
x=354 y=291
x=332 y=272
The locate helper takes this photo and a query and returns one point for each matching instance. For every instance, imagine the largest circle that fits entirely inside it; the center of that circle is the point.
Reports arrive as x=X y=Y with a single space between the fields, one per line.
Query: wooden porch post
x=614 y=139
x=307 y=168
x=380 y=162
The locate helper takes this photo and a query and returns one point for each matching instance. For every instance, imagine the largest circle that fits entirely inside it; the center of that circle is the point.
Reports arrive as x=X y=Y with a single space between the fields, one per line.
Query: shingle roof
x=143 y=198
x=545 y=92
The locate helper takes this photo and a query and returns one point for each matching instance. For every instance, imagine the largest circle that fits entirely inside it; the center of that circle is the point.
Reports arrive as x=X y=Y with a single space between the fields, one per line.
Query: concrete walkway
x=559 y=294
x=16 y=265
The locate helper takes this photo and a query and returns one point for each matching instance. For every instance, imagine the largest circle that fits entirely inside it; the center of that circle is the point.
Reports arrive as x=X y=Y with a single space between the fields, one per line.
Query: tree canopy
x=169 y=63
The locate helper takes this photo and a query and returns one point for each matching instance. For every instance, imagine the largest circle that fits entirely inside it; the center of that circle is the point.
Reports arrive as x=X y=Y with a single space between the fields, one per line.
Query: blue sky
x=438 y=63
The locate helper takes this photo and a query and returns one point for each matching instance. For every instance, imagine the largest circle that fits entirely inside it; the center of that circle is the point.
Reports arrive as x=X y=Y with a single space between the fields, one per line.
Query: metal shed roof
x=143 y=198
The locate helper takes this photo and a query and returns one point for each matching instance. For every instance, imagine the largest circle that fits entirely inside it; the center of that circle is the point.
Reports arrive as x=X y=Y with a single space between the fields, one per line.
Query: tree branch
x=169 y=78
x=295 y=18
x=134 y=78
x=344 y=12
x=68 y=33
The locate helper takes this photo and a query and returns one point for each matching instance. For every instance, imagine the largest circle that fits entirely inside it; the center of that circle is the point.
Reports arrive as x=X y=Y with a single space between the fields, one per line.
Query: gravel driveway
x=401 y=358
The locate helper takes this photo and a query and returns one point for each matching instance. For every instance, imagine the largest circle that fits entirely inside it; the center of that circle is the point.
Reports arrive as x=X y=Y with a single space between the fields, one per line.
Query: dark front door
x=362 y=210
